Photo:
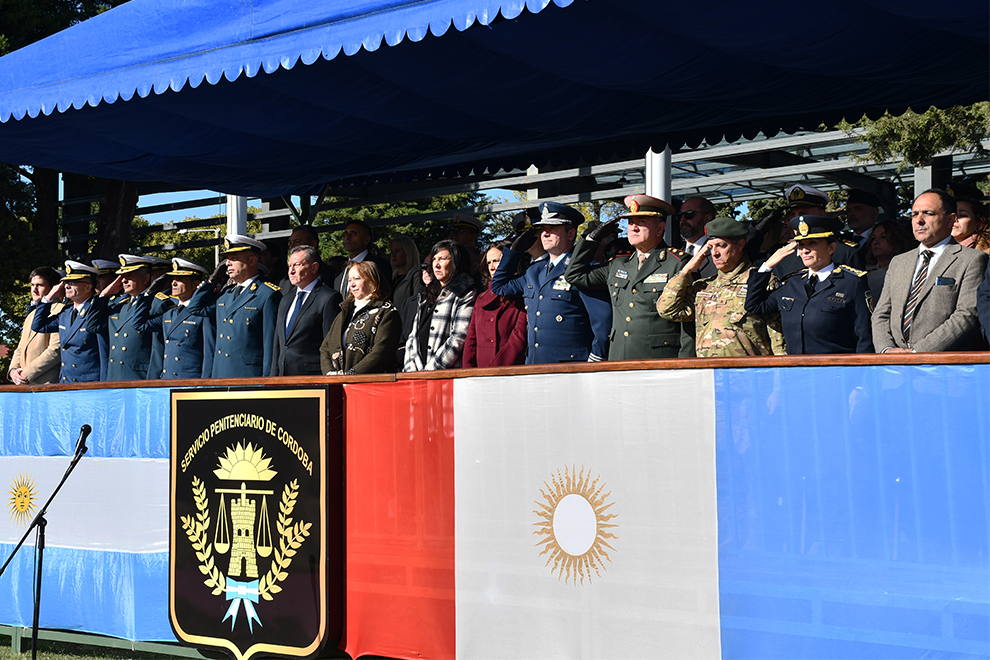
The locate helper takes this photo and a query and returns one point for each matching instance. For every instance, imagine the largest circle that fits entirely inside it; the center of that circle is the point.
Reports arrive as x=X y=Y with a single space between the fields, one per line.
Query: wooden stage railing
x=874 y=360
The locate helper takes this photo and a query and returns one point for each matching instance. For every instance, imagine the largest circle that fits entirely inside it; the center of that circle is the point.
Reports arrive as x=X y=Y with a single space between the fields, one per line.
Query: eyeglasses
x=688 y=214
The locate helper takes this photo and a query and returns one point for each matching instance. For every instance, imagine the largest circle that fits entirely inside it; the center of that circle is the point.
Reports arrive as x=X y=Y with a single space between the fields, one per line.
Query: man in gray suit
x=929 y=295
x=305 y=315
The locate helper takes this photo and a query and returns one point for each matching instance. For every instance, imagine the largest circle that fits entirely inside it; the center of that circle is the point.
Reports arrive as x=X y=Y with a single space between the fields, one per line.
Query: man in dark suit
x=304 y=317
x=635 y=283
x=862 y=210
x=357 y=240
x=928 y=301
x=302 y=236
x=565 y=324
x=695 y=213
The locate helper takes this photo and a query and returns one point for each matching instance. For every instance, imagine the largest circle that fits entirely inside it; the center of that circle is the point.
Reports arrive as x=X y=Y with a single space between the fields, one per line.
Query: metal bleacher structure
x=736 y=172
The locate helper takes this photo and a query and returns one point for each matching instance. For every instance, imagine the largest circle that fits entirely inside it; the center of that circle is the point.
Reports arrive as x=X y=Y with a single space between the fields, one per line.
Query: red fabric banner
x=400 y=519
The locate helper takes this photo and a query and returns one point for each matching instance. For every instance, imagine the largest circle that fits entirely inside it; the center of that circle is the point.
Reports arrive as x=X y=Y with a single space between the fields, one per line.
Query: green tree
x=29 y=196
x=425 y=233
x=916 y=137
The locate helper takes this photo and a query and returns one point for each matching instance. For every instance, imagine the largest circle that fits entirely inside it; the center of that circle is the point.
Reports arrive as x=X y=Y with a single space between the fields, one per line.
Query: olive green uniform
x=717 y=305
x=637 y=332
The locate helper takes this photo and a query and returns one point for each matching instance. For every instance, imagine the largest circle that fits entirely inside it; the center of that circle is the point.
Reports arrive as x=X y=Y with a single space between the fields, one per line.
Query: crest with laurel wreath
x=233 y=547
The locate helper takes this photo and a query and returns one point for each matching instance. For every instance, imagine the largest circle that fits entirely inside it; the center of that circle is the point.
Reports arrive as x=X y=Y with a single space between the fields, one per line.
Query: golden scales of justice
x=245 y=547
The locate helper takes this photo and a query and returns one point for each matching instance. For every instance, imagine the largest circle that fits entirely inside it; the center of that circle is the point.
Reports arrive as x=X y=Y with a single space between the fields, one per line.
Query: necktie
x=912 y=300
x=691 y=247
x=295 y=310
x=811 y=284
x=237 y=291
x=74 y=315
x=643 y=256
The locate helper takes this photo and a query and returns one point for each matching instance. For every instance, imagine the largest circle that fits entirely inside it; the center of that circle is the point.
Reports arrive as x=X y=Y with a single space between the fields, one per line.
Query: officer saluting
x=244 y=314
x=130 y=348
x=823 y=307
x=635 y=283
x=565 y=325
x=189 y=341
x=84 y=353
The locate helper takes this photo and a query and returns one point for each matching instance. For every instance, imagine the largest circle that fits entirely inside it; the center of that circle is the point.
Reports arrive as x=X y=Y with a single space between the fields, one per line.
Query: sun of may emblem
x=23 y=499
x=574 y=525
x=243 y=532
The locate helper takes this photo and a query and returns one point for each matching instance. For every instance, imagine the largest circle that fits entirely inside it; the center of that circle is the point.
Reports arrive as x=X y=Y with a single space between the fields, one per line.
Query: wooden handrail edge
x=887 y=359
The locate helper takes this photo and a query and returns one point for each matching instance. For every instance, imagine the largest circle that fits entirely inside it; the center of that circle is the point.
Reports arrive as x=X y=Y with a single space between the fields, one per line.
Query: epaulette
x=273 y=287
x=855 y=271
x=849 y=242
x=802 y=272
x=161 y=296
x=680 y=255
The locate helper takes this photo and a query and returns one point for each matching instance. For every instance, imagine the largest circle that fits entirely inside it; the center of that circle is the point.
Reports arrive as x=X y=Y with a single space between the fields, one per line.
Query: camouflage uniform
x=717 y=305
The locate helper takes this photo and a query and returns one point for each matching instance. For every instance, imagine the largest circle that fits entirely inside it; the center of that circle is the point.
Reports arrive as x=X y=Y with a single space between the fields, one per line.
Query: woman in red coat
x=497 y=334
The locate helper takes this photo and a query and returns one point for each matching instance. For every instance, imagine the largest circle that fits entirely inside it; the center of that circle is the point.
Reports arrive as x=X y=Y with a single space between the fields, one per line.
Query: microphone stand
x=40 y=522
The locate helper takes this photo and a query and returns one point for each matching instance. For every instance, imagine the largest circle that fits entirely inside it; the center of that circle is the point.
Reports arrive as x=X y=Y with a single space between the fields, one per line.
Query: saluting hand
x=779 y=255
x=114 y=287
x=219 y=275
x=524 y=241
x=56 y=292
x=603 y=230
x=698 y=260
x=159 y=285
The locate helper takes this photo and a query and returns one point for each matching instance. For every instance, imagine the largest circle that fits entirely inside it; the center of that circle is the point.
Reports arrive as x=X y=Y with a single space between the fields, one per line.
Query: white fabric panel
x=650 y=437
x=118 y=504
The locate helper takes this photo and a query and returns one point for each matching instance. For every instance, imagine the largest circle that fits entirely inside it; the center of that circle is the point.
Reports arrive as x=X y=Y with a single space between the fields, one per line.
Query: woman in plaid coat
x=444 y=311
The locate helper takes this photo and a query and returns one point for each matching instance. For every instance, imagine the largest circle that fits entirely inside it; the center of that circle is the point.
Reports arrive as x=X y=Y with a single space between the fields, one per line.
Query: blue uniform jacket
x=84 y=352
x=836 y=319
x=188 y=342
x=130 y=348
x=565 y=324
x=245 y=327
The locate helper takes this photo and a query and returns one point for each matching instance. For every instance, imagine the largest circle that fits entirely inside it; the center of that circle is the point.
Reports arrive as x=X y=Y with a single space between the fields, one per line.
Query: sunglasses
x=688 y=214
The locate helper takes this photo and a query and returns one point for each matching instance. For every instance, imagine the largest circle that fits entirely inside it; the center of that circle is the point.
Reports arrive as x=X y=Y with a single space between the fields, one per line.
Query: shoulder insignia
x=802 y=271
x=677 y=254
x=161 y=296
x=273 y=287
x=855 y=271
x=849 y=242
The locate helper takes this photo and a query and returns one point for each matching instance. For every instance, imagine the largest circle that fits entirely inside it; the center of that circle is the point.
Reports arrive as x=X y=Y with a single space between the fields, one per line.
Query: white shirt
x=244 y=285
x=938 y=249
x=692 y=248
x=555 y=260
x=306 y=290
x=823 y=273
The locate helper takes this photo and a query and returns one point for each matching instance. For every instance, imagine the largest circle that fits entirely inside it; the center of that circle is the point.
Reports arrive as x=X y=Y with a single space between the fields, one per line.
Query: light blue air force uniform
x=565 y=324
x=84 y=352
x=245 y=327
x=188 y=342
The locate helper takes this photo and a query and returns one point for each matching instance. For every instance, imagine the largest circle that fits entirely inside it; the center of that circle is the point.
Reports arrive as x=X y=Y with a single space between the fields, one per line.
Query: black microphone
x=81 y=442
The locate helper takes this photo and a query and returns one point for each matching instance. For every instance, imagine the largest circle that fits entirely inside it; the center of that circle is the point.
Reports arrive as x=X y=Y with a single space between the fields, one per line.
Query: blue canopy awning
x=277 y=96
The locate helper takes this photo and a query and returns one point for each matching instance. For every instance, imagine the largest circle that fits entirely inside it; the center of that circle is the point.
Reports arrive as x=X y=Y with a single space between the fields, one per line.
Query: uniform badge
x=633 y=206
x=803 y=228
x=560 y=284
x=560 y=319
x=621 y=274
x=254 y=287
x=840 y=294
x=656 y=278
